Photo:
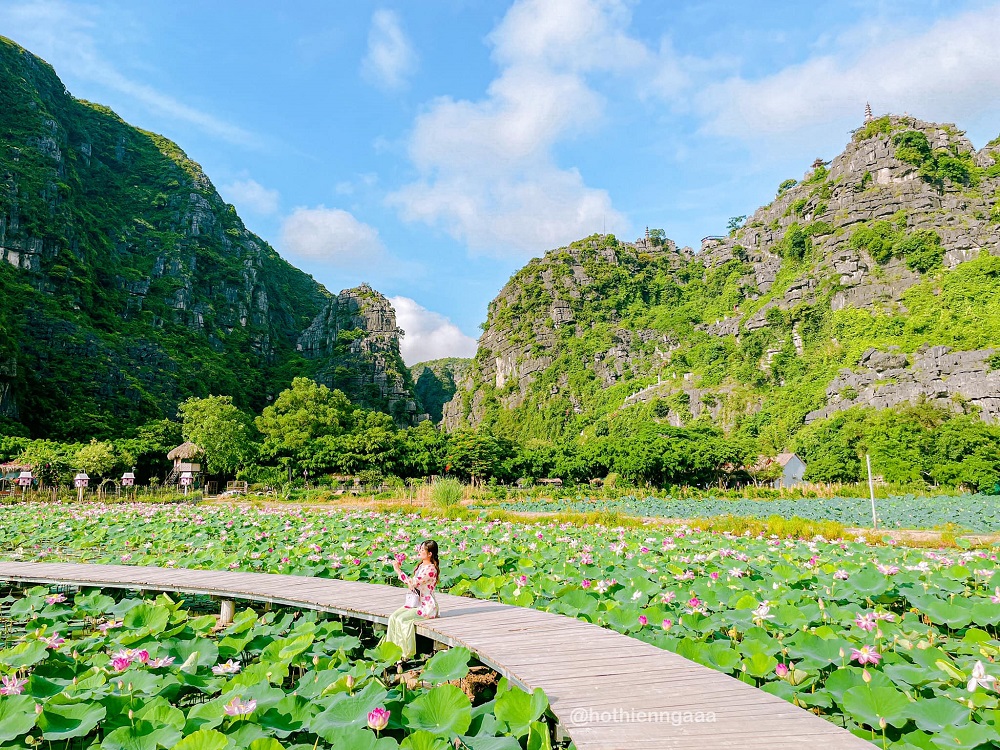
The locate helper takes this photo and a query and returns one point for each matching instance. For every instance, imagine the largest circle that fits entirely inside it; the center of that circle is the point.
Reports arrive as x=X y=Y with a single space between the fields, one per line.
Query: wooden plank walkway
x=609 y=691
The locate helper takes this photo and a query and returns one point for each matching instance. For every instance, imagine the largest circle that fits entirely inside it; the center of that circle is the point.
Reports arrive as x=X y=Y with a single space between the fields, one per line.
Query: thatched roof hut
x=184 y=451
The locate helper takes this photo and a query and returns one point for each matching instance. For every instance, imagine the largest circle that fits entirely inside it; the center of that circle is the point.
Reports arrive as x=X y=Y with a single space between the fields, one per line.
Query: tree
x=478 y=456
x=97 y=459
x=222 y=431
x=657 y=237
x=300 y=416
x=735 y=222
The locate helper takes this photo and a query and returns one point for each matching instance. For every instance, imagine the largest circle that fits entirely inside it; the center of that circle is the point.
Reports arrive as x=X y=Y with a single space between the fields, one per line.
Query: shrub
x=446 y=493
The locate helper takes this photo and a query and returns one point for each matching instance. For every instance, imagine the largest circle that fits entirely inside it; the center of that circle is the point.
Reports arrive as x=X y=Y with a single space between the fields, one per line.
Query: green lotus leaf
x=936 y=714
x=24 y=654
x=491 y=743
x=867 y=705
x=203 y=739
x=159 y=712
x=286 y=649
x=385 y=654
x=62 y=721
x=147 y=617
x=517 y=709
x=447 y=665
x=759 y=665
x=444 y=710
x=424 y=740
x=143 y=736
x=346 y=710
x=539 y=737
x=266 y=743
x=288 y=715
x=17 y=716
x=967 y=737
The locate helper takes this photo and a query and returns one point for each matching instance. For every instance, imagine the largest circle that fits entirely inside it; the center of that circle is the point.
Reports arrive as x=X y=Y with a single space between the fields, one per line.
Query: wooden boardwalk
x=608 y=691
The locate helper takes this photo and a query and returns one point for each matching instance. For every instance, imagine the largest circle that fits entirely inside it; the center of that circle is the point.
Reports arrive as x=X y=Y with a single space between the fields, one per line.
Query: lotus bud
x=76 y=654
x=315 y=661
x=350 y=682
x=131 y=714
x=841 y=653
x=865 y=675
x=882 y=723
x=30 y=740
x=121 y=684
x=130 y=687
x=38 y=708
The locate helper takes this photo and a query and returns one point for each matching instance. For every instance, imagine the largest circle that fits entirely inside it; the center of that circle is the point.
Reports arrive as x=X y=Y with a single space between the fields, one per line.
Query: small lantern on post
x=81 y=481
x=187 y=479
x=128 y=480
x=25 y=479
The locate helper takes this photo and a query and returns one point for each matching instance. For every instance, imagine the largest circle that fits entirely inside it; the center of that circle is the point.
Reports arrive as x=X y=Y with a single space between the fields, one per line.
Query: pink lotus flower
x=841 y=575
x=643 y=620
x=162 y=661
x=120 y=664
x=667 y=624
x=378 y=718
x=400 y=557
x=239 y=707
x=53 y=641
x=522 y=580
x=55 y=599
x=887 y=570
x=996 y=595
x=230 y=667
x=12 y=685
x=694 y=601
x=781 y=671
x=865 y=622
x=668 y=597
x=714 y=575
x=141 y=656
x=104 y=627
x=865 y=655
x=585 y=583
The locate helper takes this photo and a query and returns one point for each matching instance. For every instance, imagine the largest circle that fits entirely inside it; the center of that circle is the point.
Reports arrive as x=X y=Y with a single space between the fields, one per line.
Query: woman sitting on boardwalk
x=420 y=601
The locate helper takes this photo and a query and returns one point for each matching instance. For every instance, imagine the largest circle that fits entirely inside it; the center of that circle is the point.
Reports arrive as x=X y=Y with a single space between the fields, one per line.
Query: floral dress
x=424 y=581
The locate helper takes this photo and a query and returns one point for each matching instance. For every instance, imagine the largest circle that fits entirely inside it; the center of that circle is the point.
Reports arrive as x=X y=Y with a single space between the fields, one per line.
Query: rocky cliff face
x=356 y=341
x=775 y=312
x=436 y=382
x=126 y=283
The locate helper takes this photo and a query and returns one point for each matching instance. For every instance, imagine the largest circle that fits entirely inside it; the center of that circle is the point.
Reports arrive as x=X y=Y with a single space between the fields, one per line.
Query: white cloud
x=250 y=195
x=947 y=71
x=487 y=173
x=331 y=235
x=428 y=335
x=63 y=34
x=390 y=59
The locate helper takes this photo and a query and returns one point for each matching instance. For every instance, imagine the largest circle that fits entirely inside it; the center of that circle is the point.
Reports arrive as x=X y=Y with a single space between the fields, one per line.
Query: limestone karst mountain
x=127 y=284
x=872 y=281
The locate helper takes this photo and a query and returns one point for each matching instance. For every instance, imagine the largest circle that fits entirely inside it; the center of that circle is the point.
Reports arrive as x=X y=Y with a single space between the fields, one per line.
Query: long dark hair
x=432 y=549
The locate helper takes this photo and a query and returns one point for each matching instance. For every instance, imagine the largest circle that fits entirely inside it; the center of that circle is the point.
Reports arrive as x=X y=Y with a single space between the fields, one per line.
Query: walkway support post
x=226 y=612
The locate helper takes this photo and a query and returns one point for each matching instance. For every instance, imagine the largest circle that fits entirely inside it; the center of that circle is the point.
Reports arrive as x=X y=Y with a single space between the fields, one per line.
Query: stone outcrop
x=525 y=353
x=956 y=380
x=128 y=284
x=356 y=340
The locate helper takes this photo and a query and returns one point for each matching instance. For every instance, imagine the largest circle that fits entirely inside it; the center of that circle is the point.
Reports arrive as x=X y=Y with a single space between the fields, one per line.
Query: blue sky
x=431 y=148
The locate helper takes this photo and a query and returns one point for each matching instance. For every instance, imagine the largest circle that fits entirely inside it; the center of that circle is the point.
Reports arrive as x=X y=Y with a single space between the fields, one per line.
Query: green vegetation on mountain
x=127 y=284
x=436 y=382
x=872 y=283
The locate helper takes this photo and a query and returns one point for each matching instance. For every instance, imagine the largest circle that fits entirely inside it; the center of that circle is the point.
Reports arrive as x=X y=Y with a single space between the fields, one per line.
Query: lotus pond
x=897 y=645
x=977 y=513
x=87 y=670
